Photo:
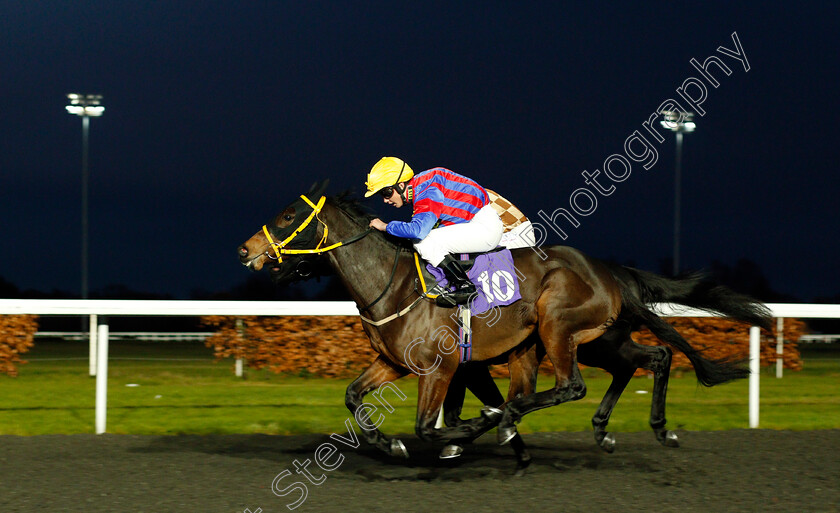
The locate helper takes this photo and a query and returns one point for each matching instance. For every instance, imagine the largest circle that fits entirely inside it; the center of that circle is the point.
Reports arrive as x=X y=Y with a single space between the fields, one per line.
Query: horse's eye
x=287 y=217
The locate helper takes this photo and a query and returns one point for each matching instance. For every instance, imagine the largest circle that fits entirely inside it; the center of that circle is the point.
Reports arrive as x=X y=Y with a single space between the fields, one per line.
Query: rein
x=390 y=280
x=424 y=295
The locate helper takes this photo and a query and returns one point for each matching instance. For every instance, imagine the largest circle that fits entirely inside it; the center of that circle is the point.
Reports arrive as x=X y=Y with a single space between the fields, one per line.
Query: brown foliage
x=328 y=346
x=17 y=335
x=336 y=346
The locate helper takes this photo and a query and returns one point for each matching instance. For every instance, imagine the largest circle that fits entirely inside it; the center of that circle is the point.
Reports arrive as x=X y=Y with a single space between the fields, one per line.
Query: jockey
x=451 y=214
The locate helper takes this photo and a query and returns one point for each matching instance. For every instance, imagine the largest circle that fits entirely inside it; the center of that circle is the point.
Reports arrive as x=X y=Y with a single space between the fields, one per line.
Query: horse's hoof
x=522 y=465
x=398 y=449
x=608 y=443
x=451 y=451
x=493 y=415
x=505 y=434
x=670 y=439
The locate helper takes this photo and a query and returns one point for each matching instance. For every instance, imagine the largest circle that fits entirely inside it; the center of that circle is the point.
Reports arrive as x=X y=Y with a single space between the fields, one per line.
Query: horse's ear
x=318 y=188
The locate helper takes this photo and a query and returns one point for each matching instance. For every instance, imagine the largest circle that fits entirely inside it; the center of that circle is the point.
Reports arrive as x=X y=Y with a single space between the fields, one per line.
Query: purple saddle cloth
x=494 y=277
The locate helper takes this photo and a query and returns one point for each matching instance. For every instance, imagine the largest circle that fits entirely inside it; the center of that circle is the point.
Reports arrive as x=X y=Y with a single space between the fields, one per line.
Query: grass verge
x=198 y=396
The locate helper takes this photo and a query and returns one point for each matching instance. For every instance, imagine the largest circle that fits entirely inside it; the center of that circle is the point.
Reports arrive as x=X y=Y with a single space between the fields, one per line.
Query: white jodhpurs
x=482 y=233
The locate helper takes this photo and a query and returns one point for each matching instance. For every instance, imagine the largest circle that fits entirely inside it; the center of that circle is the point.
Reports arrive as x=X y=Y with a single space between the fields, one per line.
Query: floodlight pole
x=85 y=180
x=679 y=123
x=85 y=106
x=677 y=194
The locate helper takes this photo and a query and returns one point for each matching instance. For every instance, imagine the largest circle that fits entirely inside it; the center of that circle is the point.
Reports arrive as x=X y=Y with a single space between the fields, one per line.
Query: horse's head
x=294 y=228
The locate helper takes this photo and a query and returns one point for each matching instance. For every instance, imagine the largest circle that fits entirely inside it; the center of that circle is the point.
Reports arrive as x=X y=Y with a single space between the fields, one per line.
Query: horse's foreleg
x=432 y=392
x=605 y=353
x=476 y=377
x=620 y=379
x=657 y=359
x=381 y=371
x=524 y=366
x=454 y=402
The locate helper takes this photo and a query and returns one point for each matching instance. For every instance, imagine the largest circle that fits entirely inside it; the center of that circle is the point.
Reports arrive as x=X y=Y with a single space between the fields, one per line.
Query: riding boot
x=457 y=277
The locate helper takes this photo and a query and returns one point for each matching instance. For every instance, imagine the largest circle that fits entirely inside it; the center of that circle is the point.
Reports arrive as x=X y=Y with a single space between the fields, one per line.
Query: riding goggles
x=386 y=192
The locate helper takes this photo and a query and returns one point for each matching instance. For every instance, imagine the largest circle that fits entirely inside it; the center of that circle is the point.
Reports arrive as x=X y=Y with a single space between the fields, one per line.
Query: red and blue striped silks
x=440 y=194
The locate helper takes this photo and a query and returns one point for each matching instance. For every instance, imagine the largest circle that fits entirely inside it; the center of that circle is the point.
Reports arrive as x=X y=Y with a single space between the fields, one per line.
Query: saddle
x=492 y=273
x=466 y=261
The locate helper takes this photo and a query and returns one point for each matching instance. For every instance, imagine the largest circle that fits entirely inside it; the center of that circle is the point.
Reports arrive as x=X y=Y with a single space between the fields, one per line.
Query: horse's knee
x=662 y=361
x=352 y=398
x=571 y=391
x=578 y=391
x=666 y=354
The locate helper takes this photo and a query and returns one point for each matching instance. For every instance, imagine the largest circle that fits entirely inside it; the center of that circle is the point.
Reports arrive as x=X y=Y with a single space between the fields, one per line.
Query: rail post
x=780 y=345
x=102 y=376
x=239 y=365
x=755 y=361
x=92 y=329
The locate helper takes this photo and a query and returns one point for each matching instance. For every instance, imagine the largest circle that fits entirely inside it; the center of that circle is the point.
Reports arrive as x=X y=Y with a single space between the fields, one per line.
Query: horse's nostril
x=243 y=251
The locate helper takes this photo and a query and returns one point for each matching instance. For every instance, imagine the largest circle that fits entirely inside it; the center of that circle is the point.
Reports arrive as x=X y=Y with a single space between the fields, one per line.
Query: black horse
x=569 y=301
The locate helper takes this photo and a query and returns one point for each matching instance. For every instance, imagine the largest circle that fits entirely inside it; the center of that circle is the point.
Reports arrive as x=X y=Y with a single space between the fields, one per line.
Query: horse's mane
x=352 y=206
x=361 y=215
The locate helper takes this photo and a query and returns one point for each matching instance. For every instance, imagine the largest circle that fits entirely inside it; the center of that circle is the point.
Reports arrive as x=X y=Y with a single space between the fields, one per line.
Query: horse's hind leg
x=380 y=371
x=569 y=384
x=570 y=313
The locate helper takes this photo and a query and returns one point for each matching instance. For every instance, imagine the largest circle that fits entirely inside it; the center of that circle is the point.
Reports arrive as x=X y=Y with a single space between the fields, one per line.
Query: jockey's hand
x=378 y=224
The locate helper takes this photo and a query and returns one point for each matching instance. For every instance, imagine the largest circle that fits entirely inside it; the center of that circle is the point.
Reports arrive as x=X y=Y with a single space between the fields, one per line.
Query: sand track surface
x=723 y=471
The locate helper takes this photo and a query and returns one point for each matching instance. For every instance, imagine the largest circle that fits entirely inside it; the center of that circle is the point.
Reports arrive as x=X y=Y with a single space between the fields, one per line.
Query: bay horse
x=568 y=300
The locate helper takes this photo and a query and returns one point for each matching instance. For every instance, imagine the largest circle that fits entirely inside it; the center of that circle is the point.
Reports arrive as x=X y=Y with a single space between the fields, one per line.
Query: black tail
x=697 y=292
x=709 y=372
x=640 y=288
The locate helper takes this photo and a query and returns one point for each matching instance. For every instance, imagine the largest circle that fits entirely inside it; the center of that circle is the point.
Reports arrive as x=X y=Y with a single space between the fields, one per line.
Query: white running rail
x=100 y=309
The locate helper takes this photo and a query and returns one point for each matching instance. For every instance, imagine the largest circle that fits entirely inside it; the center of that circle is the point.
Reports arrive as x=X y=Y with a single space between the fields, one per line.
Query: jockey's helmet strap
x=401 y=192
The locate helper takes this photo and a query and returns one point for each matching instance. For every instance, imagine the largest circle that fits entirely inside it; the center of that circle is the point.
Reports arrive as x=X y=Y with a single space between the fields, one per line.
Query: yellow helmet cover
x=385 y=173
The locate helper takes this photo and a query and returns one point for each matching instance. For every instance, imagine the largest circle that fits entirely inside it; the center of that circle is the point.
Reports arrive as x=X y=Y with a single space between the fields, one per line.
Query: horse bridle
x=280 y=247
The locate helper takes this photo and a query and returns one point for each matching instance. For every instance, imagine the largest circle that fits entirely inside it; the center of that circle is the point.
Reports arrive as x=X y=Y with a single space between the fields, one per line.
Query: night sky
x=220 y=113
